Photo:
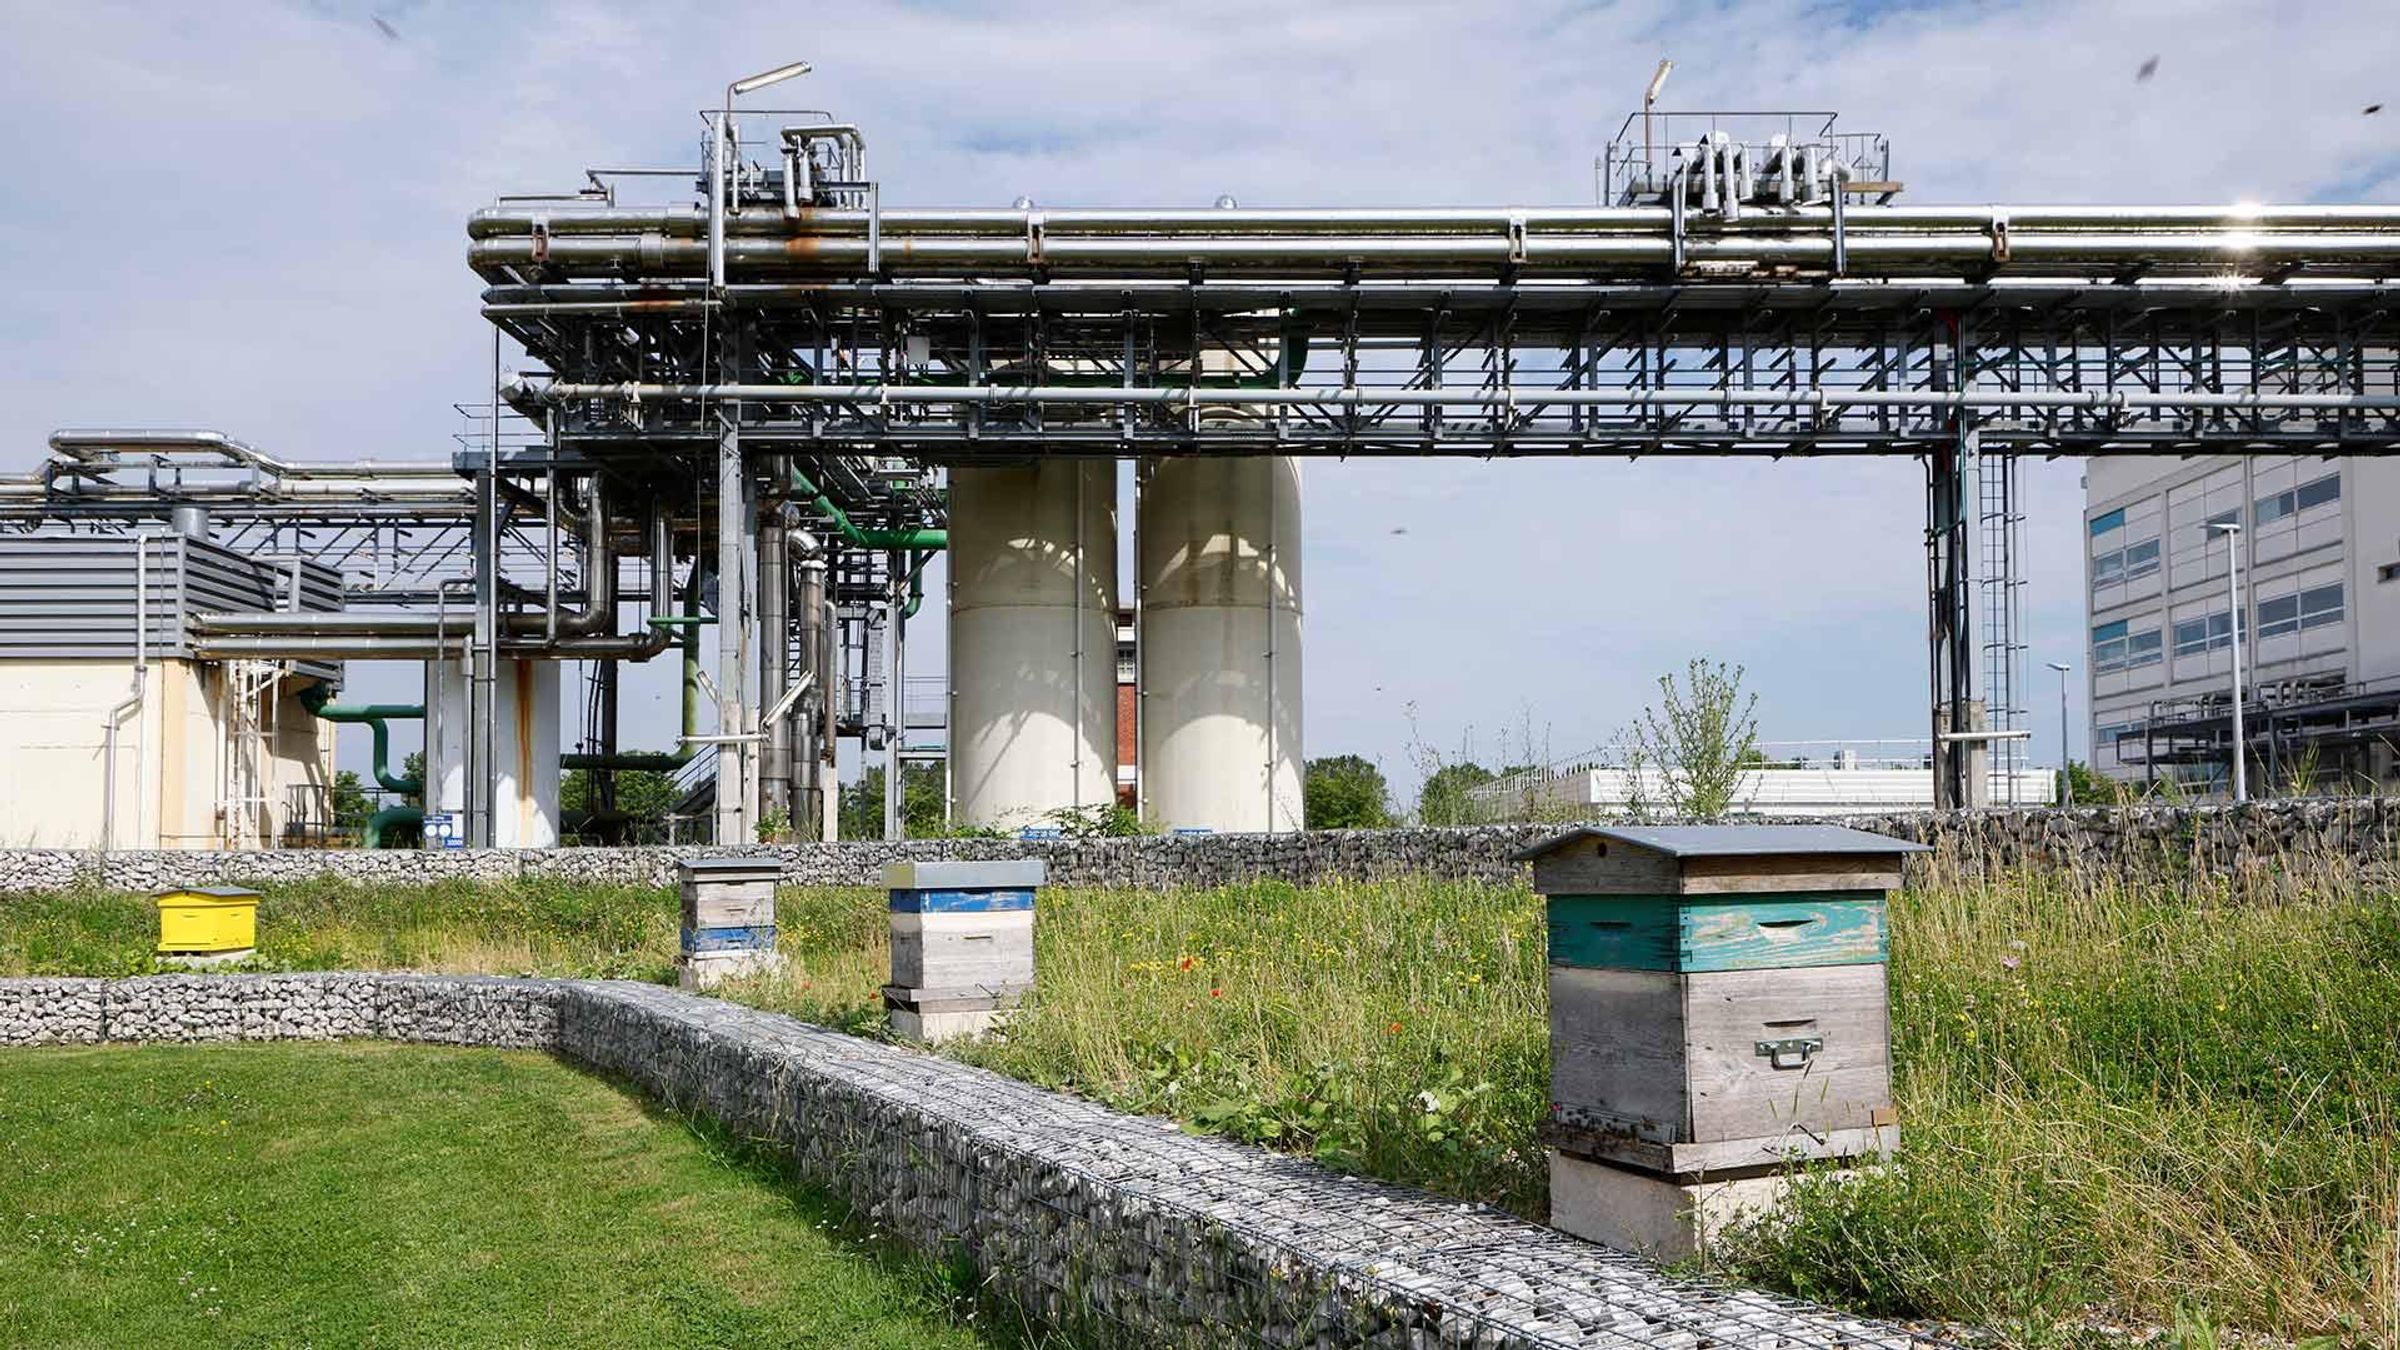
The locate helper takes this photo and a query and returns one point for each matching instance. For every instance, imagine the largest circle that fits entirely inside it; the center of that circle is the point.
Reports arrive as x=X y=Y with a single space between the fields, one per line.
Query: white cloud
x=251 y=217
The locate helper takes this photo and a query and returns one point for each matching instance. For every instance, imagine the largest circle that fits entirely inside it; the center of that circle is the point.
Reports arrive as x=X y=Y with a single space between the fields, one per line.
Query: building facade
x=2319 y=546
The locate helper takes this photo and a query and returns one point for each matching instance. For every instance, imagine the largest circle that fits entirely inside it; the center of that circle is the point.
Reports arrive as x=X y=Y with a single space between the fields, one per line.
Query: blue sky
x=250 y=216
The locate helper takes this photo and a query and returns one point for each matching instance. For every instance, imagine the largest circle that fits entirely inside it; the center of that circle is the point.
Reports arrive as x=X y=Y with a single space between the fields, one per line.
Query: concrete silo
x=1220 y=643
x=1033 y=639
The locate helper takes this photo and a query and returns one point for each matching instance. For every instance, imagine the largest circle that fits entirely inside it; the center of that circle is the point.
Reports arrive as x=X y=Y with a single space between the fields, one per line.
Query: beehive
x=728 y=927
x=962 y=943
x=1717 y=1012
x=207 y=921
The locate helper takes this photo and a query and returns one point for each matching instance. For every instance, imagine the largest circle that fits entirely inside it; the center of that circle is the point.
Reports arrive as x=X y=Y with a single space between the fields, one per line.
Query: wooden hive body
x=1717 y=995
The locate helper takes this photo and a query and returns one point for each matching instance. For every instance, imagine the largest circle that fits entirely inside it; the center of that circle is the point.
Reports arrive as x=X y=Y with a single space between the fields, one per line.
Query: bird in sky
x=2149 y=68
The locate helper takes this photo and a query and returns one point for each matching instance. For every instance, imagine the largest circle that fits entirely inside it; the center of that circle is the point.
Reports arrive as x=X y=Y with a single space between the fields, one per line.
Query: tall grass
x=2167 y=1104
x=2131 y=1097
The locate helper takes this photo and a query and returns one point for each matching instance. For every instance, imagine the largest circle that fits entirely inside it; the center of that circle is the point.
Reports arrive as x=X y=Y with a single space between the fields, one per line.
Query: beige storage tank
x=1033 y=640
x=1220 y=643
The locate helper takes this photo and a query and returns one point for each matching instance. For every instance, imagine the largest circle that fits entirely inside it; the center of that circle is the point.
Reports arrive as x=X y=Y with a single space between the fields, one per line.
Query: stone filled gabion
x=1121 y=1227
x=2357 y=832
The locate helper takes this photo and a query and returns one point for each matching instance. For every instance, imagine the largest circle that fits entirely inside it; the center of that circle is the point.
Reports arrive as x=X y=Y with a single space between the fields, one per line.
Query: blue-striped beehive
x=962 y=943
x=728 y=918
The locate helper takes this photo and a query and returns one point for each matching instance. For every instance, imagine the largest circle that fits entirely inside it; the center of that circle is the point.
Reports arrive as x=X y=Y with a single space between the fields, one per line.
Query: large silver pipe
x=427 y=646
x=690 y=221
x=1370 y=397
x=774 y=641
x=2228 y=250
x=85 y=445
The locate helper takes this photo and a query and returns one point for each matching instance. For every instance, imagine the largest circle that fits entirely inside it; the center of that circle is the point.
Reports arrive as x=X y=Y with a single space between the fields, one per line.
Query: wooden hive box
x=962 y=944
x=727 y=893
x=1717 y=999
x=963 y=927
x=207 y=920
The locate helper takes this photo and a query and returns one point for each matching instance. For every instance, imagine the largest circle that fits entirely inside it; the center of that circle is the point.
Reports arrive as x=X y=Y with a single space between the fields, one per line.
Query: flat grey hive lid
x=220 y=892
x=730 y=867
x=1727 y=841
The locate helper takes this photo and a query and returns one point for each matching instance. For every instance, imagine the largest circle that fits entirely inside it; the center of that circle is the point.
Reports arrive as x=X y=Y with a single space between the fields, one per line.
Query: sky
x=250 y=216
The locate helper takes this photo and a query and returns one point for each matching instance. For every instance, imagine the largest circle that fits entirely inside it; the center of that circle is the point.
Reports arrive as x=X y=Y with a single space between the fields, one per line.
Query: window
x=2279 y=616
x=2115 y=648
x=2125 y=564
x=2319 y=491
x=2388 y=572
x=2108 y=520
x=2321 y=606
x=2315 y=492
x=2205 y=634
x=2317 y=607
x=2231 y=515
x=2108 y=647
x=2145 y=648
x=2141 y=559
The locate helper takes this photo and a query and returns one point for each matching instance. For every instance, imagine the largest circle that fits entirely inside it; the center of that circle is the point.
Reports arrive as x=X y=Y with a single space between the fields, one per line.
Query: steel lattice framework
x=784 y=349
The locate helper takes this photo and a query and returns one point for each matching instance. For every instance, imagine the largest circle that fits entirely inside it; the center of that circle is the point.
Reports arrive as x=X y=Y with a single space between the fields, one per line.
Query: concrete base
x=911 y=1024
x=707 y=970
x=1663 y=1218
x=205 y=960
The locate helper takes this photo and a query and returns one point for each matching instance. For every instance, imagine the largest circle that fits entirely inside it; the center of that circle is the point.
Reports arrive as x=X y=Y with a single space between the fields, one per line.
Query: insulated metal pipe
x=690 y=221
x=774 y=637
x=1477 y=397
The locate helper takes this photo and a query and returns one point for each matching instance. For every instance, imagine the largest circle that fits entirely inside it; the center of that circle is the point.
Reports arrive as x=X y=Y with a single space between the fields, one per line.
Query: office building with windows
x=2319 y=543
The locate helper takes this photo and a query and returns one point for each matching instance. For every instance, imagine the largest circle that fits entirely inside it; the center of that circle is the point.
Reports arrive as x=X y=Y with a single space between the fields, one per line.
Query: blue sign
x=1191 y=832
x=442 y=831
x=1038 y=832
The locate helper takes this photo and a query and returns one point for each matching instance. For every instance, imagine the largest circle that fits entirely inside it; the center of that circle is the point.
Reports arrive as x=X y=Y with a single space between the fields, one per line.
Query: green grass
x=2148 y=1103
x=365 y=1194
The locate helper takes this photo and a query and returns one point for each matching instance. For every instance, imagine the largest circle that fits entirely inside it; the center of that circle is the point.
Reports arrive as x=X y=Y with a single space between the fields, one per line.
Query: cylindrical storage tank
x=1220 y=643
x=1033 y=639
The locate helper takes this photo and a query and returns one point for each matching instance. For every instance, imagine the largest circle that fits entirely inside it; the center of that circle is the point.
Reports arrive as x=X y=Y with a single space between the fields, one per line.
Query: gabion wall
x=2359 y=831
x=1117 y=1227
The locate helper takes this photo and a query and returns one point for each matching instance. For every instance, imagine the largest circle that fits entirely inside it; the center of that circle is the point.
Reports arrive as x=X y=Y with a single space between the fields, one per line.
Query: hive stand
x=962 y=944
x=728 y=919
x=1717 y=1018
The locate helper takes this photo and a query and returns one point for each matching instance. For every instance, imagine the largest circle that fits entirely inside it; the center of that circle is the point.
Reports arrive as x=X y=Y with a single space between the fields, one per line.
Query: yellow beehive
x=207 y=919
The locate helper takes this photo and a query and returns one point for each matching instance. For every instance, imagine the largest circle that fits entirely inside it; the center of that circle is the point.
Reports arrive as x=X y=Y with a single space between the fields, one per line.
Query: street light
x=2066 y=766
x=2232 y=530
x=721 y=153
x=1649 y=97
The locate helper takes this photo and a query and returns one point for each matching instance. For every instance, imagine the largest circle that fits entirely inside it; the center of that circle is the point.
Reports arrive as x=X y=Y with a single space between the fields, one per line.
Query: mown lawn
x=2145 y=1104
x=381 y=1195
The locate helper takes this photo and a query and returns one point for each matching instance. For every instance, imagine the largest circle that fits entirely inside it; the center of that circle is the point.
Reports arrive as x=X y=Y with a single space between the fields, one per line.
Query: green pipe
x=852 y=534
x=380 y=824
x=375 y=715
x=916 y=587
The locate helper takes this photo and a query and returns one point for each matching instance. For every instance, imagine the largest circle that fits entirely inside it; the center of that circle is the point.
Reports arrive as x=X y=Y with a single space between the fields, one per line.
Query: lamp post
x=2232 y=530
x=2066 y=765
x=720 y=155
x=1649 y=97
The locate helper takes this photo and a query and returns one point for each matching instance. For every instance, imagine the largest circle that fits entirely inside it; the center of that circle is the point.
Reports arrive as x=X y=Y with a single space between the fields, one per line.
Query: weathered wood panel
x=1739 y=1093
x=1680 y=933
x=972 y=950
x=1617 y=1050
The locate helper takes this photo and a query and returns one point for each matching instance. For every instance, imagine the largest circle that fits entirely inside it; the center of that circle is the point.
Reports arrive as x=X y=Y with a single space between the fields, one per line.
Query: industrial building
x=2318 y=541
x=738 y=406
x=1791 y=779
x=116 y=735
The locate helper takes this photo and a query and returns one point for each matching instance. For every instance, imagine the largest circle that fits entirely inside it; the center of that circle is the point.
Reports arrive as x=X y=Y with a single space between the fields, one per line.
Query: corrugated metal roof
x=71 y=595
x=1729 y=841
